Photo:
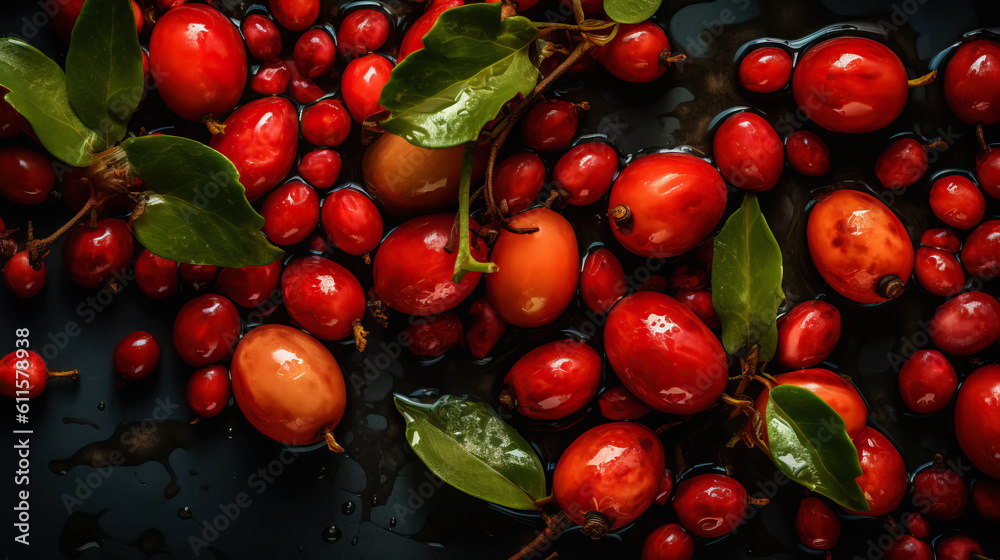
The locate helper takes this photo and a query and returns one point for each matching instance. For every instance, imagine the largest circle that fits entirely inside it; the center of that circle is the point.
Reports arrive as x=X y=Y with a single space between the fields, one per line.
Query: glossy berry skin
x=618 y=404
x=326 y=123
x=602 y=281
x=986 y=498
x=586 y=172
x=26 y=176
x=486 y=330
x=208 y=391
x=700 y=301
x=156 y=276
x=135 y=356
x=856 y=243
x=414 y=38
x=908 y=547
x=271 y=79
x=518 y=179
x=290 y=213
x=554 y=380
x=295 y=15
x=352 y=221
x=287 y=384
x=977 y=419
x=816 y=525
x=918 y=526
x=250 y=286
x=24 y=371
x=941 y=238
x=198 y=61
x=322 y=297
x=321 y=168
x=938 y=272
x=301 y=88
x=807 y=334
x=748 y=152
x=958 y=547
x=988 y=170
x=940 y=492
x=664 y=354
x=634 y=54
x=981 y=250
x=314 y=53
x=206 y=330
x=262 y=38
x=710 y=505
x=93 y=256
x=413 y=272
x=807 y=153
x=883 y=479
x=865 y=94
x=675 y=201
x=669 y=542
x=549 y=126
x=957 y=201
x=966 y=324
x=614 y=469
x=927 y=381
x=20 y=278
x=260 y=139
x=765 y=70
x=538 y=272
x=362 y=84
x=433 y=336
x=197 y=273
x=362 y=31
x=835 y=391
x=970 y=82
x=903 y=163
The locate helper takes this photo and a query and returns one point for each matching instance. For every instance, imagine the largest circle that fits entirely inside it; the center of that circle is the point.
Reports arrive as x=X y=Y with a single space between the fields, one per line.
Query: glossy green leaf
x=471 y=448
x=197 y=211
x=631 y=11
x=746 y=281
x=472 y=64
x=104 y=67
x=808 y=441
x=38 y=91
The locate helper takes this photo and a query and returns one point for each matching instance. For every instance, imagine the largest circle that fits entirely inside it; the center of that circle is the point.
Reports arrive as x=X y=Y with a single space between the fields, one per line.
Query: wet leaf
x=808 y=441
x=631 y=11
x=471 y=448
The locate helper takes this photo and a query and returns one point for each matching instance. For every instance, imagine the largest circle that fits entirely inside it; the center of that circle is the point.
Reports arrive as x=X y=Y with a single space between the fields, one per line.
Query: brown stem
x=38 y=247
x=556 y=196
x=508 y=399
x=622 y=216
x=214 y=126
x=8 y=247
x=922 y=80
x=368 y=257
x=331 y=442
x=666 y=59
x=71 y=374
x=554 y=527
x=936 y=145
x=758 y=501
x=359 y=335
x=378 y=308
x=890 y=287
x=981 y=136
x=595 y=525
x=196 y=420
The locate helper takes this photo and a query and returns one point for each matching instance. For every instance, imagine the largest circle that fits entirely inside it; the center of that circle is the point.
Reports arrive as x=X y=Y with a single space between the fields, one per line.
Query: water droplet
x=331 y=534
x=392 y=522
x=322 y=473
x=184 y=513
x=101 y=405
x=354 y=541
x=348 y=508
x=228 y=432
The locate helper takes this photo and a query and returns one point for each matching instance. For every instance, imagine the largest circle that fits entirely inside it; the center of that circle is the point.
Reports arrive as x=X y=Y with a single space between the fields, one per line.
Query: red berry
x=907 y=547
x=197 y=273
x=586 y=172
x=710 y=505
x=835 y=391
x=290 y=213
x=206 y=330
x=156 y=276
x=940 y=492
x=26 y=176
x=21 y=278
x=11 y=122
x=765 y=70
x=550 y=126
x=609 y=476
x=666 y=204
x=958 y=547
x=250 y=286
x=666 y=488
x=553 y=380
x=883 y=474
x=94 y=256
x=208 y=391
x=165 y=5
x=903 y=163
x=433 y=336
x=602 y=281
x=295 y=15
x=135 y=356
x=352 y=222
x=618 y=404
x=23 y=374
x=325 y=123
x=748 y=152
x=362 y=84
x=486 y=330
x=314 y=53
x=816 y=525
x=362 y=31
x=414 y=38
x=323 y=298
x=76 y=192
x=321 y=168
x=669 y=542
x=198 y=61
x=927 y=381
x=977 y=419
x=271 y=79
x=988 y=170
x=957 y=201
x=807 y=153
x=981 y=251
x=970 y=82
x=700 y=301
x=917 y=525
x=260 y=138
x=638 y=53
x=262 y=38
x=807 y=334
x=967 y=324
x=664 y=354
x=986 y=498
x=939 y=272
x=301 y=88
x=941 y=238
x=518 y=180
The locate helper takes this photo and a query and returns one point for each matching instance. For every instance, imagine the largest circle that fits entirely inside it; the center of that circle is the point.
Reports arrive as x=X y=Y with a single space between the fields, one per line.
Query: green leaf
x=631 y=11
x=746 y=281
x=472 y=449
x=38 y=91
x=808 y=441
x=197 y=211
x=472 y=64
x=104 y=67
